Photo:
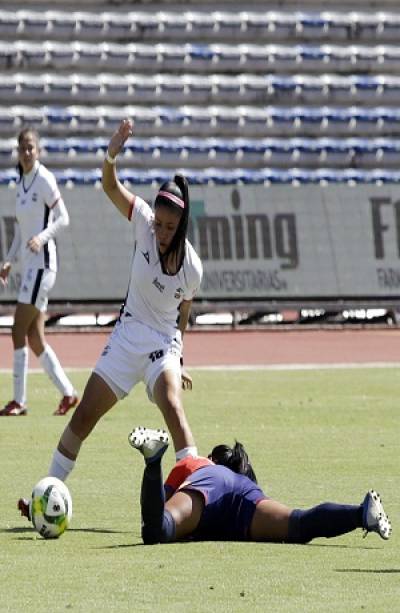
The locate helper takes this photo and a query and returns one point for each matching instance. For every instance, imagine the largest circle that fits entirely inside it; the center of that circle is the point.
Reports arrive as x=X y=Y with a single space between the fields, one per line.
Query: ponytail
x=235 y=458
x=179 y=188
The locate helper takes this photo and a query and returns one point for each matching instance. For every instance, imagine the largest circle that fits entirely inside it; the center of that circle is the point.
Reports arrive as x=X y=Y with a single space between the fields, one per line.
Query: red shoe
x=23 y=506
x=14 y=409
x=66 y=403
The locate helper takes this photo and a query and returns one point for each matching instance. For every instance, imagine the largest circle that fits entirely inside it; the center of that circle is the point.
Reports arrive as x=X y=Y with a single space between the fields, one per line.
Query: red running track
x=241 y=347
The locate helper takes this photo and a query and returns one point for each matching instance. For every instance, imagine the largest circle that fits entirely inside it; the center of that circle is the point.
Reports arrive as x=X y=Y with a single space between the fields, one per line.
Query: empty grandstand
x=300 y=95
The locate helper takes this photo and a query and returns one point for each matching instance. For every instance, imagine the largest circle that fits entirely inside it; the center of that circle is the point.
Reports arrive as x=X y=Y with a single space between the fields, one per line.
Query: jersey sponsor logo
x=146 y=256
x=158 y=285
x=34 y=197
x=106 y=350
x=156 y=355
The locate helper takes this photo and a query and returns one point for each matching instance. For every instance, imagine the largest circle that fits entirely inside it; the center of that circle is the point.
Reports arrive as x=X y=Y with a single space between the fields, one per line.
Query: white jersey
x=37 y=195
x=154 y=296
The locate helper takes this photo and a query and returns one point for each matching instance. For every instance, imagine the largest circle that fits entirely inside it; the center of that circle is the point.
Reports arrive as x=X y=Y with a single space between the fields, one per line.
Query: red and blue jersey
x=183 y=469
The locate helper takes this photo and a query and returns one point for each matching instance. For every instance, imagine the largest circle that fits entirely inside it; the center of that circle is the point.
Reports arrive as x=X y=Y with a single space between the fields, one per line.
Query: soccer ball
x=50 y=507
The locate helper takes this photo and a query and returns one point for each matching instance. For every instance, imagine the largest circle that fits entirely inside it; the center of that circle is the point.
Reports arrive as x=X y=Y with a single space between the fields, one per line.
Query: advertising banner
x=269 y=243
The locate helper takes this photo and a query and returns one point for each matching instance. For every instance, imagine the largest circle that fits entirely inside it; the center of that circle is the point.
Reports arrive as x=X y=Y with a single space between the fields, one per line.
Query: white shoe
x=374 y=516
x=152 y=444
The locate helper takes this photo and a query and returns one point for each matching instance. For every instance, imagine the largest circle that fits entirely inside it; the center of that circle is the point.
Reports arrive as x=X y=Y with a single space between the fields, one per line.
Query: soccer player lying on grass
x=217 y=498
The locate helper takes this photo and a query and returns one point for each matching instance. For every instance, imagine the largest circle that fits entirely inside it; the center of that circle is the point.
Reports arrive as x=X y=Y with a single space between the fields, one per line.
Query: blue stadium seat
x=8 y=177
x=198 y=57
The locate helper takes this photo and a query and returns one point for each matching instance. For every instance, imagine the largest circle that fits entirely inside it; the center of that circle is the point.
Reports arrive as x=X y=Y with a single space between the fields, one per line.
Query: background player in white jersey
x=146 y=343
x=41 y=214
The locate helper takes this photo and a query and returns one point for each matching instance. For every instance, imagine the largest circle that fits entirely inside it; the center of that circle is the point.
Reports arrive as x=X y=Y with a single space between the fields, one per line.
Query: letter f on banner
x=378 y=226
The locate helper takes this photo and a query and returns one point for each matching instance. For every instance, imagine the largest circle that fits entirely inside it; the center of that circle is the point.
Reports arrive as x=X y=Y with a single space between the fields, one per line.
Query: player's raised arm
x=118 y=194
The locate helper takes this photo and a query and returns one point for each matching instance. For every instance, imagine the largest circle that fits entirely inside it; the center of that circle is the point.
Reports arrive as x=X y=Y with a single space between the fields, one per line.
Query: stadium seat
x=228 y=25
x=9 y=24
x=90 y=25
x=9 y=88
x=270 y=25
x=63 y=55
x=62 y=25
x=172 y=26
x=27 y=54
x=88 y=89
x=171 y=57
x=199 y=89
x=33 y=24
x=119 y=26
x=201 y=25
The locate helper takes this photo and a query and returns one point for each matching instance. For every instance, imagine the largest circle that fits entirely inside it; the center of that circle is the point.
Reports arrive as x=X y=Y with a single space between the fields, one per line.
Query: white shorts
x=135 y=352
x=36 y=284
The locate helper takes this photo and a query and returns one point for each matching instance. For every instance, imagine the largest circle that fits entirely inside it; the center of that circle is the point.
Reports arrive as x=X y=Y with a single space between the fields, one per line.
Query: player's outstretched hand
x=120 y=137
x=187 y=382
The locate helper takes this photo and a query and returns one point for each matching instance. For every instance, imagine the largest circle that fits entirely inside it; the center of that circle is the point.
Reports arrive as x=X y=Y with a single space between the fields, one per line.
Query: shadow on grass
x=124 y=546
x=92 y=530
x=378 y=571
x=363 y=548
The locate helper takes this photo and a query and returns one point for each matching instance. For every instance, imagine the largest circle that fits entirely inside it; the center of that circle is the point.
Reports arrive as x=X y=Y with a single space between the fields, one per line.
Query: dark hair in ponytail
x=235 y=458
x=26 y=130
x=180 y=189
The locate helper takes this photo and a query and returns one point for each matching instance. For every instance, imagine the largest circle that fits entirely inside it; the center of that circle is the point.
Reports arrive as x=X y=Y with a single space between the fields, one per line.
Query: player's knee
x=164 y=532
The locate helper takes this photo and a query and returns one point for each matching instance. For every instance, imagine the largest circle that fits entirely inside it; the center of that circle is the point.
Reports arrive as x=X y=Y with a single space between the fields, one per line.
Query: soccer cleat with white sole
x=152 y=444
x=374 y=516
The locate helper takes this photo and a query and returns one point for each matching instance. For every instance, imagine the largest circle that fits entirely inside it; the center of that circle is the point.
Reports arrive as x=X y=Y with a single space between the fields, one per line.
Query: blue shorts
x=230 y=501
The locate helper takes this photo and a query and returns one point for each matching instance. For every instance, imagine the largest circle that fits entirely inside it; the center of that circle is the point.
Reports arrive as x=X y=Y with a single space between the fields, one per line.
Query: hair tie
x=173 y=198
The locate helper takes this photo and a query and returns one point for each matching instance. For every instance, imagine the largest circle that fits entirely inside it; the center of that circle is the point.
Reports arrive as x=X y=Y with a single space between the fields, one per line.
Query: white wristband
x=109 y=159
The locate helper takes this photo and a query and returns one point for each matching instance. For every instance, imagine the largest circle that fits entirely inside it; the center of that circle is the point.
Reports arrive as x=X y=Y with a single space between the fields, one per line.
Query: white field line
x=310 y=366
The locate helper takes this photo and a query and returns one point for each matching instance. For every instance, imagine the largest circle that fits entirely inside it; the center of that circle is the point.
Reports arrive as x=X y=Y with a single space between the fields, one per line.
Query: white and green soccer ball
x=50 y=507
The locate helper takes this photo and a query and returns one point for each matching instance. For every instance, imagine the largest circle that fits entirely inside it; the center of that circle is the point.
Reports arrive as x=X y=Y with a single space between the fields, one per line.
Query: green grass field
x=312 y=436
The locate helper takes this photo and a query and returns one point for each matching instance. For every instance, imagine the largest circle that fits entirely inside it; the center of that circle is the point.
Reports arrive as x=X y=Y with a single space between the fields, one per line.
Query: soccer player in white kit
x=146 y=343
x=41 y=214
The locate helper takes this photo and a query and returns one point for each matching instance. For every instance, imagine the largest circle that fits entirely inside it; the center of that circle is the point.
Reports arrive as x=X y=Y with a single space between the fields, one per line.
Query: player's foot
x=152 y=444
x=66 y=403
x=23 y=507
x=14 y=409
x=374 y=516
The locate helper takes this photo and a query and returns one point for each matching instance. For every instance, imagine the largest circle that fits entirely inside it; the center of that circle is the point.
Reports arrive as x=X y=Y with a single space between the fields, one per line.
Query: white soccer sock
x=186 y=451
x=60 y=466
x=53 y=368
x=20 y=371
